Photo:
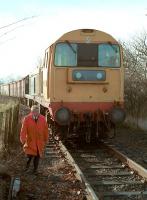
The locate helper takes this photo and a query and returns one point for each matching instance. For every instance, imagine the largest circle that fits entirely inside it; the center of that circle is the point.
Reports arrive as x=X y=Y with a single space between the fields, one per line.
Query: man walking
x=34 y=136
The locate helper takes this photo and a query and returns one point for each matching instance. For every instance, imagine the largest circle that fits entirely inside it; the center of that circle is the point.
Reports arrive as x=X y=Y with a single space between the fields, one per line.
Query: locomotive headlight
x=78 y=75
x=62 y=116
x=117 y=115
x=99 y=76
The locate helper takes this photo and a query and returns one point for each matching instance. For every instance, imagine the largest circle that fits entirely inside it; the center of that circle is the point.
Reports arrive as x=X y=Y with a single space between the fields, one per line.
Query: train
x=79 y=86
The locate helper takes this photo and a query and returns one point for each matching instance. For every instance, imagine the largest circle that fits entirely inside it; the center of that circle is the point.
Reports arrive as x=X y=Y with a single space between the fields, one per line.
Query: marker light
x=78 y=75
x=99 y=75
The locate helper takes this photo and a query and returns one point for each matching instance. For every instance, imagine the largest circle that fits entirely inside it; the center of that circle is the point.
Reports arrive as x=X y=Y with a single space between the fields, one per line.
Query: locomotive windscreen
x=87 y=55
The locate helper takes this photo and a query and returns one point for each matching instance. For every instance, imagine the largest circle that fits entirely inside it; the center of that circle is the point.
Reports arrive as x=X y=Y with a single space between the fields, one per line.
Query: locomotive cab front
x=86 y=80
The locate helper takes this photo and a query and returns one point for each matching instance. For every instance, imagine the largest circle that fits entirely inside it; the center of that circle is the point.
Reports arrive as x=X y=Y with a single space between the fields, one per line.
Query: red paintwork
x=81 y=107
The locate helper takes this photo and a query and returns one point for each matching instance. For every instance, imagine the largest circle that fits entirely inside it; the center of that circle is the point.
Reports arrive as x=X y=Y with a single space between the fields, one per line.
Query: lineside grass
x=6 y=106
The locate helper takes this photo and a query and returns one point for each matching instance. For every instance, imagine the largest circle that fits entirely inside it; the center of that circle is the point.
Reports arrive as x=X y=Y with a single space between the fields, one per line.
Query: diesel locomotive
x=79 y=87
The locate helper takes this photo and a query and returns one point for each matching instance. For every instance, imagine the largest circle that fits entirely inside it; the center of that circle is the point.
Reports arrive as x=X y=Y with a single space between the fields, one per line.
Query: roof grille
x=87 y=30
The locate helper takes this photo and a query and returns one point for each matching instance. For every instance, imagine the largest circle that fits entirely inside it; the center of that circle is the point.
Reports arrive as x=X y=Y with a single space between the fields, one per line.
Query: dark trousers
x=35 y=161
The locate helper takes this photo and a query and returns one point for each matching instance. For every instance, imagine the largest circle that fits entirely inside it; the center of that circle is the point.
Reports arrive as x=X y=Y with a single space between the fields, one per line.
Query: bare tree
x=135 y=61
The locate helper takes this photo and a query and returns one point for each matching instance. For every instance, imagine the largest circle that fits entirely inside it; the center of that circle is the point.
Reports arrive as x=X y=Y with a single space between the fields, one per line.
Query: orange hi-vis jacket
x=34 y=135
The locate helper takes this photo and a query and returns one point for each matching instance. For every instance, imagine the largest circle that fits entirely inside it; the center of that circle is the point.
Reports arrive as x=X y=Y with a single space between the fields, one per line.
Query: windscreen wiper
x=114 y=49
x=69 y=44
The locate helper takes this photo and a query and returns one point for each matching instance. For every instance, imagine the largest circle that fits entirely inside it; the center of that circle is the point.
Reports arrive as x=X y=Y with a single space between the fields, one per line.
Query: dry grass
x=6 y=106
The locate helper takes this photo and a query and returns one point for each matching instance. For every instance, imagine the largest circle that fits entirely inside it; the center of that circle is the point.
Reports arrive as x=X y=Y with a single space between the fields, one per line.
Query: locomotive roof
x=95 y=35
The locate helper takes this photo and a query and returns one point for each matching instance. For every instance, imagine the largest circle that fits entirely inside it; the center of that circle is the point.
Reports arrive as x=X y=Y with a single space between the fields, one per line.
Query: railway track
x=104 y=172
x=107 y=173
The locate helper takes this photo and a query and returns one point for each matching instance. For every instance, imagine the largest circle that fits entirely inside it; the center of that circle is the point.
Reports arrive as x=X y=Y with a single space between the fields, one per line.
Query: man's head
x=35 y=109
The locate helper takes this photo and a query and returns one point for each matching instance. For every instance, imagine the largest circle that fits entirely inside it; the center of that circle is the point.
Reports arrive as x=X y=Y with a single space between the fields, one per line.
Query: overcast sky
x=23 y=43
